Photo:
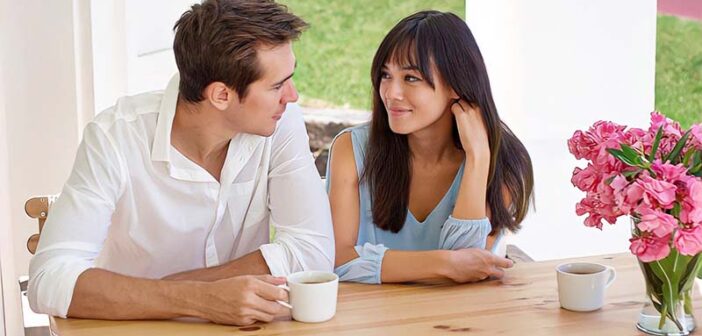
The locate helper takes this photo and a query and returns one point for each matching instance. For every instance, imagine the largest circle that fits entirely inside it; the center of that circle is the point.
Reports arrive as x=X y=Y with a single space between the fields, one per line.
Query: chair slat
x=37 y=207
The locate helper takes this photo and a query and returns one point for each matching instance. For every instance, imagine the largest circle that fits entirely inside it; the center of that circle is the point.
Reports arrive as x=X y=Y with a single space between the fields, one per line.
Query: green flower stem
x=688 y=303
x=664 y=313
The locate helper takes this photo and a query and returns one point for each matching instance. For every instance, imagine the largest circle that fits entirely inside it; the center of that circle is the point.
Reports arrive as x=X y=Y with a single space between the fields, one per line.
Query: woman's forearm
x=344 y=255
x=471 y=199
x=403 y=266
x=463 y=265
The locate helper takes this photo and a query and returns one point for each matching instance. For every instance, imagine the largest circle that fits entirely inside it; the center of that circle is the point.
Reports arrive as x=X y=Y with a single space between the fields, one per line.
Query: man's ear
x=220 y=96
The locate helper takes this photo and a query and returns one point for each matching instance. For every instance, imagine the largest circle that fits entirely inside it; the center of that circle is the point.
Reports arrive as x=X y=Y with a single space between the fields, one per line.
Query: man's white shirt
x=136 y=206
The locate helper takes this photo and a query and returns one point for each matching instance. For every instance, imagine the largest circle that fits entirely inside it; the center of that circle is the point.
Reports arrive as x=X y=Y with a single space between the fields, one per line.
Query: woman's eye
x=384 y=75
x=411 y=79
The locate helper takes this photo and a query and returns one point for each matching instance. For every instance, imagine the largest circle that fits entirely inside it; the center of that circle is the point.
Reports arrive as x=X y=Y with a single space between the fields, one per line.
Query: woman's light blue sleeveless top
x=438 y=231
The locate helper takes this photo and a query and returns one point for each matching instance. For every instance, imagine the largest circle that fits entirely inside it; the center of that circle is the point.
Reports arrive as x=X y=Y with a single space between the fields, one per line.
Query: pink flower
x=592 y=145
x=586 y=179
x=587 y=206
x=659 y=223
x=608 y=203
x=608 y=135
x=582 y=145
x=656 y=192
x=688 y=241
x=686 y=209
x=690 y=191
x=638 y=139
x=672 y=132
x=670 y=127
x=668 y=172
x=596 y=210
x=627 y=195
x=607 y=130
x=619 y=183
x=694 y=187
x=594 y=220
x=614 y=188
x=696 y=134
x=650 y=248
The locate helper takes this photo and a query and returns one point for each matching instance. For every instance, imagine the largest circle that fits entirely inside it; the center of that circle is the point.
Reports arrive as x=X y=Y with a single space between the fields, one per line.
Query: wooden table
x=524 y=302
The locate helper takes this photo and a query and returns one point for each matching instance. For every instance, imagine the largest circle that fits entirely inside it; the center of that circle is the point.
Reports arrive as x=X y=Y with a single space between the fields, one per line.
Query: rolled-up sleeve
x=77 y=224
x=299 y=207
x=459 y=233
x=366 y=268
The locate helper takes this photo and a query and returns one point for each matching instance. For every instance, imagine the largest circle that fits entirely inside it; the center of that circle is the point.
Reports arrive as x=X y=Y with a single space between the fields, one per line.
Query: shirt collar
x=240 y=149
x=160 y=150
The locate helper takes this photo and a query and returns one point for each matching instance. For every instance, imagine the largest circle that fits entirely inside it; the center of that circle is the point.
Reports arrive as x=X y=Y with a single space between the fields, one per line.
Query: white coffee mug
x=581 y=286
x=312 y=296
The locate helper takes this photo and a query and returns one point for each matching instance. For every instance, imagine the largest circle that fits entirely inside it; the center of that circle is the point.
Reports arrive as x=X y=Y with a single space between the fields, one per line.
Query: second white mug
x=581 y=286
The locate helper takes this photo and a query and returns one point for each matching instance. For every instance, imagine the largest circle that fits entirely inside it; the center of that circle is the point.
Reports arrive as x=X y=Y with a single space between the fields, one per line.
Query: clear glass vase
x=656 y=318
x=650 y=319
x=669 y=286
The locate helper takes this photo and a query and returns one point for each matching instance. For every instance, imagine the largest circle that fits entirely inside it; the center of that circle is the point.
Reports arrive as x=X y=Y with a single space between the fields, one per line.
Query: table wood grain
x=524 y=302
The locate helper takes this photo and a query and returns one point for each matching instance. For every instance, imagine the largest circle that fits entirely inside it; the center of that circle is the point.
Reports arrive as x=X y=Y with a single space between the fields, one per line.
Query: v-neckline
x=443 y=199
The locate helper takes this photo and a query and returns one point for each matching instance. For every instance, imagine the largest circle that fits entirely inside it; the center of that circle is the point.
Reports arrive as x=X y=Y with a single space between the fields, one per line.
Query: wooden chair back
x=38 y=208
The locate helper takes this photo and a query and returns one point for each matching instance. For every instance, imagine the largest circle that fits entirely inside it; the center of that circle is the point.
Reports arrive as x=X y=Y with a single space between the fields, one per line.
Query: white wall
x=46 y=83
x=557 y=66
x=150 y=42
x=48 y=91
x=109 y=51
x=6 y=260
x=132 y=46
x=9 y=306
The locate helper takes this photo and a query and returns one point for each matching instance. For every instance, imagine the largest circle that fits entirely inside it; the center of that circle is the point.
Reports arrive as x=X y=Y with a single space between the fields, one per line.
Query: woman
x=436 y=176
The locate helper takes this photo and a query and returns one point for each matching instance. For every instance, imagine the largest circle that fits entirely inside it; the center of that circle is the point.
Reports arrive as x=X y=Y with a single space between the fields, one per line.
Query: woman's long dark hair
x=444 y=40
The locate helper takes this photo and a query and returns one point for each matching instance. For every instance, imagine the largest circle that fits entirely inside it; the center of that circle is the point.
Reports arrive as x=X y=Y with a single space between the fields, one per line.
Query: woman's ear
x=453 y=95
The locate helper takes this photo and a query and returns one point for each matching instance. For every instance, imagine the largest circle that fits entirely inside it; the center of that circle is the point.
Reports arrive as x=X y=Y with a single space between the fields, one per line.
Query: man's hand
x=242 y=300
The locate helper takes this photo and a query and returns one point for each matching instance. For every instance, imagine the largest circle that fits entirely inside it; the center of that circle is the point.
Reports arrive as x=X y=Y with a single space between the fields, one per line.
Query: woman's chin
x=401 y=128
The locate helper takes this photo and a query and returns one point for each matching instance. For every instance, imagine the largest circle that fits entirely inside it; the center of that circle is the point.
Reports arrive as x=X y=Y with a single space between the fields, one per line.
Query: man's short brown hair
x=216 y=41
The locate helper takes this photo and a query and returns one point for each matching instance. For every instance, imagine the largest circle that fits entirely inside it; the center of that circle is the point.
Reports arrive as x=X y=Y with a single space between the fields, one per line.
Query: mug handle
x=283 y=303
x=612 y=276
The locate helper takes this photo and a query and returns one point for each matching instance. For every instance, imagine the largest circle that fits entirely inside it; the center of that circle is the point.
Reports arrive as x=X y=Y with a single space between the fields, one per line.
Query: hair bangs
x=403 y=52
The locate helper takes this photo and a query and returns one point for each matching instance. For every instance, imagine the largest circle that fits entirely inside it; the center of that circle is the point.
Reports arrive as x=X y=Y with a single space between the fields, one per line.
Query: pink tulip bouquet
x=652 y=176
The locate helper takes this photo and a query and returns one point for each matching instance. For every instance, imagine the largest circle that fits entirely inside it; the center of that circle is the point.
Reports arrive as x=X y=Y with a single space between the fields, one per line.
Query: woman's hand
x=474 y=264
x=471 y=129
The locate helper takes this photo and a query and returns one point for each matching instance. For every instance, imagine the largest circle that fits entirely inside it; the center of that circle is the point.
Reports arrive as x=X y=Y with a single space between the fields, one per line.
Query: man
x=167 y=210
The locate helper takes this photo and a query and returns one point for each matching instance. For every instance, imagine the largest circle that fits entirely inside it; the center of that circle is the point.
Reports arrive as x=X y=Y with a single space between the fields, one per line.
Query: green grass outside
x=679 y=69
x=335 y=54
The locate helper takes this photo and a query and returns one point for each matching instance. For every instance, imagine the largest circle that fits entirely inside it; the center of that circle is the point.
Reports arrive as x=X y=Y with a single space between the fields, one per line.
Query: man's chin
x=265 y=132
